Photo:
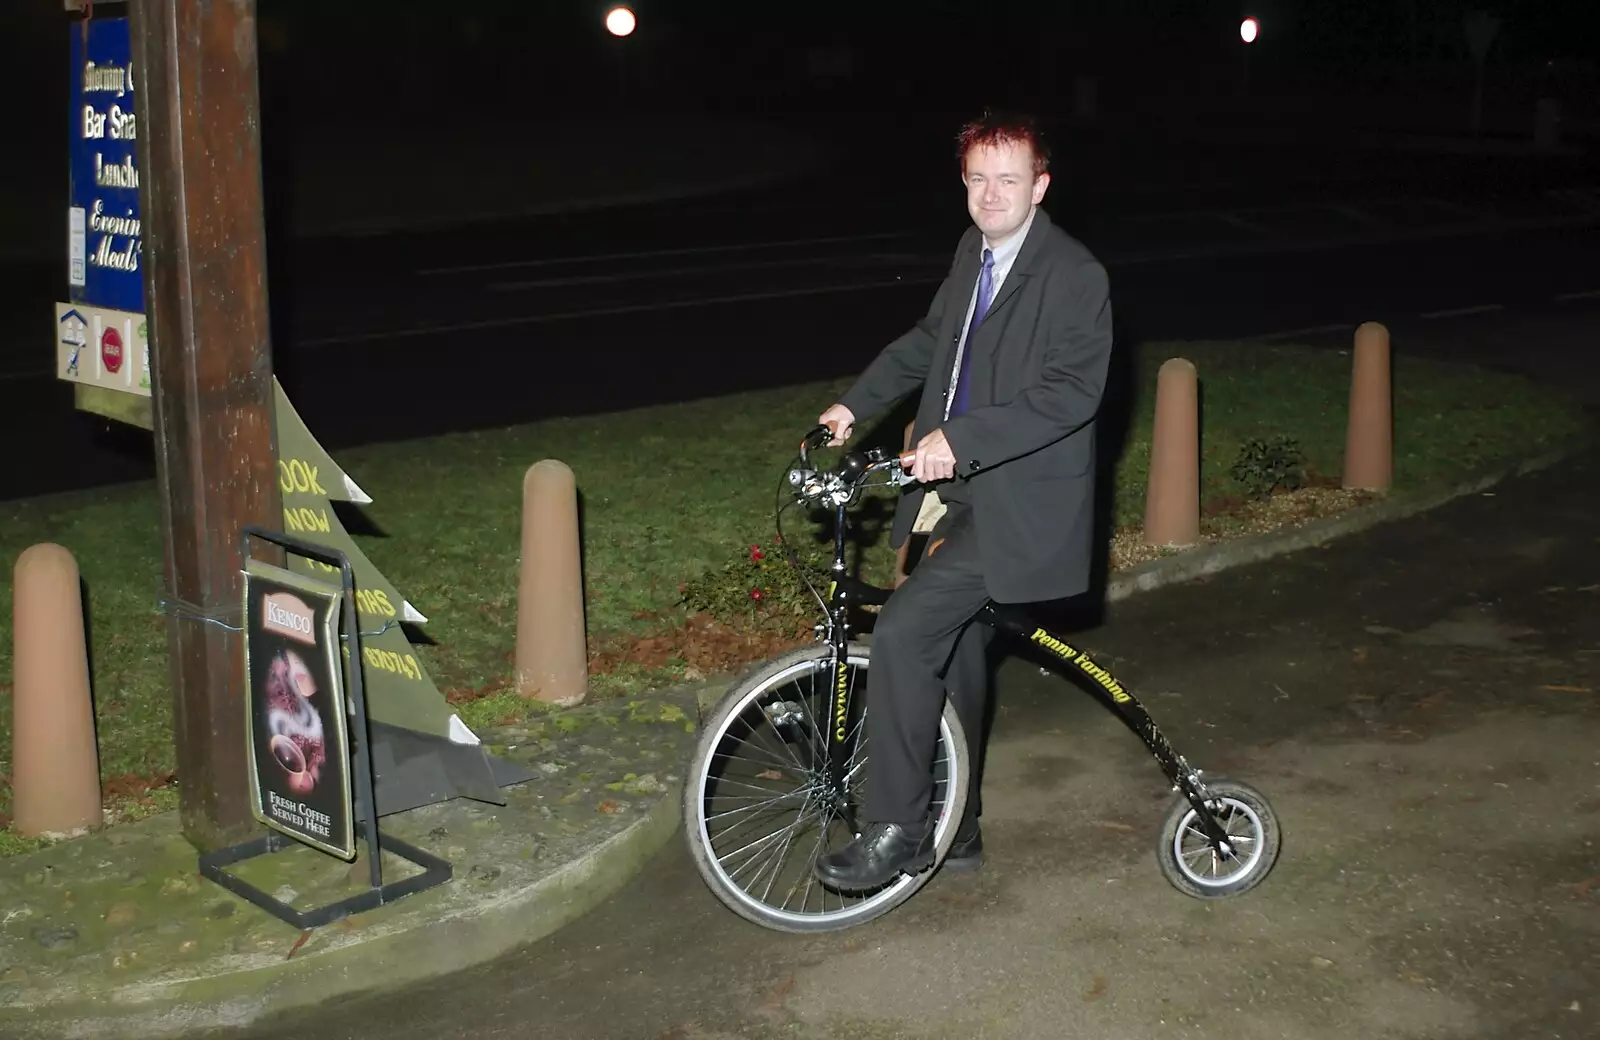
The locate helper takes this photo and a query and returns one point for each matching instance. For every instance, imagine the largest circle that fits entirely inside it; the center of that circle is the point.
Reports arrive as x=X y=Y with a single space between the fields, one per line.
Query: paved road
x=1420 y=702
x=717 y=254
x=521 y=352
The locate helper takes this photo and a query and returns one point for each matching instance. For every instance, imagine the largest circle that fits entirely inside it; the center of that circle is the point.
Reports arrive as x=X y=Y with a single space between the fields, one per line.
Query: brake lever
x=901 y=477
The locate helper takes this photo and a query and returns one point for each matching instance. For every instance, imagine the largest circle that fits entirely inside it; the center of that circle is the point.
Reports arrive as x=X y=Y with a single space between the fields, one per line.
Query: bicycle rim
x=761 y=812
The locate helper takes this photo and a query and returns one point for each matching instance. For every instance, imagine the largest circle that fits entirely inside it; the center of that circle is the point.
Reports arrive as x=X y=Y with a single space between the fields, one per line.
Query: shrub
x=759 y=587
x=1264 y=466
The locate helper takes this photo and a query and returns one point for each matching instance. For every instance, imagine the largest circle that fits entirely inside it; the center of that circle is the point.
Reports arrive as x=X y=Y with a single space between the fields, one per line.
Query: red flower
x=755 y=594
x=756 y=553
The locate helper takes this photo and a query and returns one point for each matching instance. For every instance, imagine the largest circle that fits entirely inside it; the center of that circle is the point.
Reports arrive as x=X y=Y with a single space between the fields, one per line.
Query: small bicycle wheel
x=757 y=806
x=1194 y=867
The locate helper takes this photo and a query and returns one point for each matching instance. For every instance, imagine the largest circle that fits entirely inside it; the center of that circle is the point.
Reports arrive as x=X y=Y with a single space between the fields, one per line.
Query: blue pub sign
x=101 y=333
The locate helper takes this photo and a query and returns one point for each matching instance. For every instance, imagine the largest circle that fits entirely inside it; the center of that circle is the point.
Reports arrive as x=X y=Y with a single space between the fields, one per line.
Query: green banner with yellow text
x=399 y=691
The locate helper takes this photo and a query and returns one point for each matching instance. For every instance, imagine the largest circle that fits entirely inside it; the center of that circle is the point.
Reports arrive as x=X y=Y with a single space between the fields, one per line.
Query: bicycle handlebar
x=841 y=485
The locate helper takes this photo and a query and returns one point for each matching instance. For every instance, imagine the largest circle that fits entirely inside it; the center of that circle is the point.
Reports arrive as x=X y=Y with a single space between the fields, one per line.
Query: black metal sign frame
x=435 y=871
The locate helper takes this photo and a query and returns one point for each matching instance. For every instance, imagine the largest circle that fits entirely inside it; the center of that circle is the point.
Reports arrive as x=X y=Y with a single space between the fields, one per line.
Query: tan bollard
x=905 y=547
x=1172 y=501
x=55 y=782
x=1369 y=439
x=552 y=654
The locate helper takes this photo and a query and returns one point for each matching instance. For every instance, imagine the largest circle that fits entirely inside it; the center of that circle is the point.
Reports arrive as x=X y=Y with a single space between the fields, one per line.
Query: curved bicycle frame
x=845 y=591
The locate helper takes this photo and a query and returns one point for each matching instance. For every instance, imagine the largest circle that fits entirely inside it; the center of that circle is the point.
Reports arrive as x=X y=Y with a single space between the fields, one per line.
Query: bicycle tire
x=745 y=693
x=1260 y=834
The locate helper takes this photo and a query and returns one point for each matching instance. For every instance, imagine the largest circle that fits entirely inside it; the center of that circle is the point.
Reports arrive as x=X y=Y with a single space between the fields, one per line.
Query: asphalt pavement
x=430 y=346
x=1419 y=701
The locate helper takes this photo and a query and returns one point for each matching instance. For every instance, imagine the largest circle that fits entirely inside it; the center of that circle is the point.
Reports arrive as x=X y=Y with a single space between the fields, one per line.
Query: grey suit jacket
x=1025 y=446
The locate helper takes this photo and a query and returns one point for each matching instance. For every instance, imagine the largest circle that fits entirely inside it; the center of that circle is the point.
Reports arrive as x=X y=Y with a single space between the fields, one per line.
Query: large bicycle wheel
x=757 y=805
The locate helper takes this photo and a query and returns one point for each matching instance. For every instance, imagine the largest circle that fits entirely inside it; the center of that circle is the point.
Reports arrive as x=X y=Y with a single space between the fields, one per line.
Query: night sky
x=401 y=66
x=427 y=54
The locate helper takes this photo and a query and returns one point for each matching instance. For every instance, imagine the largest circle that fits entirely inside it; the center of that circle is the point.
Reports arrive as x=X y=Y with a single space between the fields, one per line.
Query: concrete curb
x=459 y=941
x=1212 y=559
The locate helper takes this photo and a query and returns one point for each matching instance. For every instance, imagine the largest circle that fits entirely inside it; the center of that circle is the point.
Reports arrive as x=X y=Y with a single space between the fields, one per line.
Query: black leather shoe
x=966 y=852
x=873 y=860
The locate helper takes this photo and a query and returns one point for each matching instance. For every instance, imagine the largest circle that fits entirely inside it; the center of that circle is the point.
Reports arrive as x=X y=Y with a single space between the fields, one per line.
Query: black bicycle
x=777 y=776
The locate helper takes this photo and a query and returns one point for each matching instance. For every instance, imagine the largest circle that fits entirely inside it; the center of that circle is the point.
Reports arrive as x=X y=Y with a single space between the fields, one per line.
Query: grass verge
x=668 y=493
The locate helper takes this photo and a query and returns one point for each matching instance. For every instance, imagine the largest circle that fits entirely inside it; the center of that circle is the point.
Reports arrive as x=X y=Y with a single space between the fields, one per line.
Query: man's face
x=1001 y=188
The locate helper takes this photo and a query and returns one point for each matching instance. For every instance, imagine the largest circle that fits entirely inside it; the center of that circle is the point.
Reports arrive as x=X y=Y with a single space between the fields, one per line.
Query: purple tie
x=985 y=290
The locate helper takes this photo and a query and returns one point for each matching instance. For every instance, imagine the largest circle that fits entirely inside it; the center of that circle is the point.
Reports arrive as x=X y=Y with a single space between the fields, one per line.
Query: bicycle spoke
x=771 y=761
x=777 y=863
x=753 y=808
x=811 y=880
x=748 y=787
x=819 y=734
x=764 y=843
x=857 y=739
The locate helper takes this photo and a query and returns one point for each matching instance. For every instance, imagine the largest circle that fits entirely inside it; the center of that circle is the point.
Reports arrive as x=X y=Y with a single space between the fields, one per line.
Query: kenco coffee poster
x=299 y=749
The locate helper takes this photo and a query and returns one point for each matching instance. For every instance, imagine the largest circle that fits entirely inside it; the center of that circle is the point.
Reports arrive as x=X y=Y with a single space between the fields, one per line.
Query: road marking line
x=1453 y=207
x=1457 y=312
x=1314 y=330
x=1359 y=216
x=1245 y=225
x=864 y=260
x=650 y=253
x=1587 y=294
x=640 y=308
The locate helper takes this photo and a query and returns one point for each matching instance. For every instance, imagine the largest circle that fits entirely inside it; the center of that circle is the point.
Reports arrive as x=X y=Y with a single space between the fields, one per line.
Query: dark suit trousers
x=923 y=647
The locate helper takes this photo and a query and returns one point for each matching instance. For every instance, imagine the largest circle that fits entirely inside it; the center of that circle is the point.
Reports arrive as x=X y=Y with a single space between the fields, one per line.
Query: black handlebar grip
x=818 y=436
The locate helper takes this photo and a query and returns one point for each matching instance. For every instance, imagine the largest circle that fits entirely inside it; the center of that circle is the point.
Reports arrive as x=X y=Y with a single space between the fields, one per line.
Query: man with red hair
x=1011 y=360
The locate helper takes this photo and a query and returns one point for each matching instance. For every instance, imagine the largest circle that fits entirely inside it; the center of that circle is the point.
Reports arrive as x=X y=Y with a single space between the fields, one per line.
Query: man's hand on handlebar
x=932 y=461
x=840 y=486
x=841 y=421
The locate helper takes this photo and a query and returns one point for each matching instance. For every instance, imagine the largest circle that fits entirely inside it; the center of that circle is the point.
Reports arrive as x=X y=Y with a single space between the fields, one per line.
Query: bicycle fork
x=838 y=741
x=1105 y=687
x=837 y=728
